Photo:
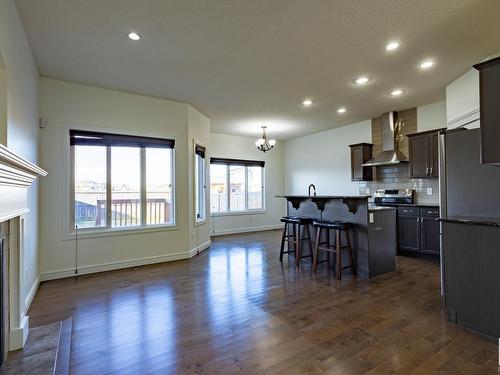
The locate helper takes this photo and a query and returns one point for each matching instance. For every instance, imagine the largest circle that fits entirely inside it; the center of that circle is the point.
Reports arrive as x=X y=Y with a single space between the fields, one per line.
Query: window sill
x=200 y=222
x=238 y=213
x=106 y=232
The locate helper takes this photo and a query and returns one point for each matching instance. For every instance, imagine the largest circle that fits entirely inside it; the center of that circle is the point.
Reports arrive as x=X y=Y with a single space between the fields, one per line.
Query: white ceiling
x=248 y=62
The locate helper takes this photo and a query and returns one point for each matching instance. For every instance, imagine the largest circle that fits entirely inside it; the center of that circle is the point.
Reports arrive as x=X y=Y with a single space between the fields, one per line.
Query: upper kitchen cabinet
x=423 y=149
x=489 y=91
x=361 y=153
x=462 y=101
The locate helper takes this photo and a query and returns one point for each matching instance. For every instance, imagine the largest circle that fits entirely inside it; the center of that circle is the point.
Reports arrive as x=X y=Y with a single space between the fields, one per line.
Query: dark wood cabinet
x=419 y=156
x=471 y=277
x=408 y=233
x=418 y=231
x=434 y=154
x=424 y=159
x=361 y=153
x=489 y=93
x=430 y=230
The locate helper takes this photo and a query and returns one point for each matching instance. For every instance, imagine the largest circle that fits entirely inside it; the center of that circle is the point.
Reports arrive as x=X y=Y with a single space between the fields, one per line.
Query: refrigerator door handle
x=442 y=204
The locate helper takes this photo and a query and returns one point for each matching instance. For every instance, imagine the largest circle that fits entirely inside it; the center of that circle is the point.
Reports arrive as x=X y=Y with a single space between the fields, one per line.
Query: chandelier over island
x=263 y=144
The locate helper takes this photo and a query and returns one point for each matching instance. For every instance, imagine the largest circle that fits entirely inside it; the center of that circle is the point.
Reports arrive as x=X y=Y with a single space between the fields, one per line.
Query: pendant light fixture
x=263 y=144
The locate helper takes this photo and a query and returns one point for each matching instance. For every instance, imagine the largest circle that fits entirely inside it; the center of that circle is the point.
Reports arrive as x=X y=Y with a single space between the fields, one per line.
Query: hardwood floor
x=235 y=308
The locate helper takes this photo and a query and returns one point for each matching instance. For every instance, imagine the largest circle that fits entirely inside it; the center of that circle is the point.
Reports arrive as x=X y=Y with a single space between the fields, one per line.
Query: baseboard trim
x=200 y=248
x=245 y=230
x=85 y=270
x=31 y=295
x=18 y=336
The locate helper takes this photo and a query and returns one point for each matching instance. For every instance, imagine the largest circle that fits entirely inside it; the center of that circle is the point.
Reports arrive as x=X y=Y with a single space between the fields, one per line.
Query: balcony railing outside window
x=90 y=210
x=218 y=201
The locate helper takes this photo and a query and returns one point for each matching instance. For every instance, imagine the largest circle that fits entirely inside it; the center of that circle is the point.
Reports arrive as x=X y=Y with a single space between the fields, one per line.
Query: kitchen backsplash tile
x=397 y=177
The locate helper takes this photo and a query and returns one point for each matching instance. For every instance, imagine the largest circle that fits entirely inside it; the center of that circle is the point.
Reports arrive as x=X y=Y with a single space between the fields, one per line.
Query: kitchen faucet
x=309 y=189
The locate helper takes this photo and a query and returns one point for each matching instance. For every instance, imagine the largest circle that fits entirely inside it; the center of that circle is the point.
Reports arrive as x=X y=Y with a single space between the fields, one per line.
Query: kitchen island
x=471 y=261
x=372 y=229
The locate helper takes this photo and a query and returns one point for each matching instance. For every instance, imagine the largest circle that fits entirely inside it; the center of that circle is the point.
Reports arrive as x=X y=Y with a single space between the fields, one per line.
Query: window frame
x=245 y=163
x=108 y=230
x=197 y=193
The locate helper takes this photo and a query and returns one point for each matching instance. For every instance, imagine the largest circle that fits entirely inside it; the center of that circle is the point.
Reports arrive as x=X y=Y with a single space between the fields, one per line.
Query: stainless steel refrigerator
x=467 y=187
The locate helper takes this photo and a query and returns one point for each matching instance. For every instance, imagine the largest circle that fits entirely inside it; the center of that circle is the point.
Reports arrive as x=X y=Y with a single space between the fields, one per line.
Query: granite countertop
x=372 y=207
x=436 y=205
x=472 y=220
x=422 y=205
x=324 y=196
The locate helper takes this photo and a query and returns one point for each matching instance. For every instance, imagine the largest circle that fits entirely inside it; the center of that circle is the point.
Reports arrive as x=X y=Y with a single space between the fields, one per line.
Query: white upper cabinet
x=462 y=101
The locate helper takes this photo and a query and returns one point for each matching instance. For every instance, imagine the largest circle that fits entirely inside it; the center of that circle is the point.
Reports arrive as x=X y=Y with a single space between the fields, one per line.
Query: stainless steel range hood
x=390 y=154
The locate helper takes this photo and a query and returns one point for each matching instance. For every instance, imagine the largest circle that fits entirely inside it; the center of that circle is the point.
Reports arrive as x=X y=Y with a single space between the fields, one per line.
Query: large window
x=200 y=178
x=236 y=185
x=121 y=181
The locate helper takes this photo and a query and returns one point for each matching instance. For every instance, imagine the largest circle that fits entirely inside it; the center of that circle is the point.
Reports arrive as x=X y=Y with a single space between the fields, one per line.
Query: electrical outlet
x=429 y=191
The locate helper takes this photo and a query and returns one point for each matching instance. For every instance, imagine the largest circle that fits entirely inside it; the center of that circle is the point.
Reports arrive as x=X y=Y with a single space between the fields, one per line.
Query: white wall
x=431 y=116
x=3 y=105
x=199 y=133
x=63 y=103
x=323 y=159
x=237 y=147
x=462 y=100
x=22 y=122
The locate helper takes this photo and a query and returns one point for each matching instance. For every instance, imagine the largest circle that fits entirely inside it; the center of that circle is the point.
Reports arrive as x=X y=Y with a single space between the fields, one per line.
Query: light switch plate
x=429 y=191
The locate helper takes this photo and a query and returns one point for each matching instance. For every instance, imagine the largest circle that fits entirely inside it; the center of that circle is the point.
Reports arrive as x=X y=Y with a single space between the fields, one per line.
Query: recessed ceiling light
x=307 y=102
x=427 y=64
x=362 y=80
x=397 y=92
x=134 y=36
x=341 y=110
x=391 y=46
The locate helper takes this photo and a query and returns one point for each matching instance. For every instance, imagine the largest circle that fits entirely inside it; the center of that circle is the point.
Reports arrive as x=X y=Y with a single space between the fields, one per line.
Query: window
x=236 y=185
x=200 y=178
x=121 y=181
x=90 y=186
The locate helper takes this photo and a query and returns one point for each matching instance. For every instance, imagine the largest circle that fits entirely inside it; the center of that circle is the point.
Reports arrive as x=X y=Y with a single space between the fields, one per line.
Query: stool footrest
x=293 y=241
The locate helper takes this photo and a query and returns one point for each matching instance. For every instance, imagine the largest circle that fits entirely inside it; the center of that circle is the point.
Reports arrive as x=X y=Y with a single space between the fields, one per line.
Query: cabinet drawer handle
x=427 y=171
x=431 y=169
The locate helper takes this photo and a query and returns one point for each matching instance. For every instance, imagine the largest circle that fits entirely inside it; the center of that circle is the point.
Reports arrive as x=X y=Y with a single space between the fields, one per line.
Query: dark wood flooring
x=236 y=309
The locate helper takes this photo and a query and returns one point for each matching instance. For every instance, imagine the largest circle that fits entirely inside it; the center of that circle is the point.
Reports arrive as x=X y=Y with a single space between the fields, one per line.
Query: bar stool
x=338 y=227
x=297 y=223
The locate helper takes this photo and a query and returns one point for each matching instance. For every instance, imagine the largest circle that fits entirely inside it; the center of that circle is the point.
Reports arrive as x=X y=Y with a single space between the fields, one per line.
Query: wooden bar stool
x=338 y=227
x=297 y=223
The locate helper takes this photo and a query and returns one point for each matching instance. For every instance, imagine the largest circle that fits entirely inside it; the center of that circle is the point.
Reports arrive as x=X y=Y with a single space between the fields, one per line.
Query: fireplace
x=16 y=177
x=2 y=304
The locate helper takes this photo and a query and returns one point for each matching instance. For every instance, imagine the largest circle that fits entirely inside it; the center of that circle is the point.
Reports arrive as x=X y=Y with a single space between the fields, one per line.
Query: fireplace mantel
x=16 y=176
x=17 y=171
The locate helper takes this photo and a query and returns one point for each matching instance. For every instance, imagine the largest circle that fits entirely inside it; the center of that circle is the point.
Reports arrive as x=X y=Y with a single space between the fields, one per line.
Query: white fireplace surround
x=16 y=176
